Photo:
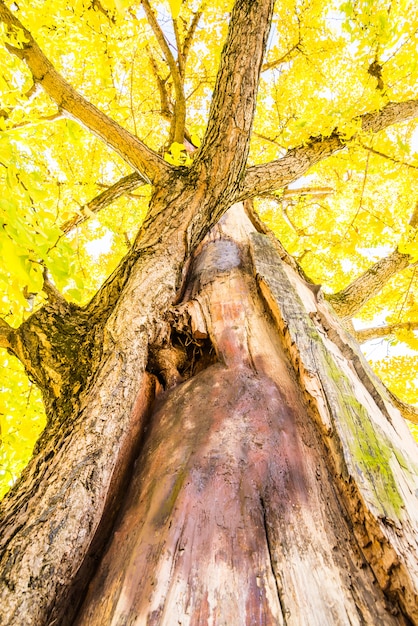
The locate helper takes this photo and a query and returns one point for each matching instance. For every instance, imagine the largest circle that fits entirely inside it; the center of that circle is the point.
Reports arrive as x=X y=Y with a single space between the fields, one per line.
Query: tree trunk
x=274 y=483
x=272 y=486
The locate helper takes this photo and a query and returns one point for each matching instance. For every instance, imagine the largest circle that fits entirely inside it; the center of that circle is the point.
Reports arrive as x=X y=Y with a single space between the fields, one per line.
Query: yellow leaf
x=175 y=6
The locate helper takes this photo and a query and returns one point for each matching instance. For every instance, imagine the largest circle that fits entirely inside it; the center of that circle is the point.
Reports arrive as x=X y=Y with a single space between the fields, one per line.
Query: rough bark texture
x=231 y=517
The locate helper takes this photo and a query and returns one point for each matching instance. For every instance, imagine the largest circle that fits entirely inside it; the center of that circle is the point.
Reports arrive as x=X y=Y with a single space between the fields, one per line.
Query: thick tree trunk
x=273 y=486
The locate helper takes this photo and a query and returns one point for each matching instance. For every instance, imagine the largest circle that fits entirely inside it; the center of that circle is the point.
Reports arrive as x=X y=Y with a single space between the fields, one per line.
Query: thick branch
x=130 y=148
x=348 y=301
x=377 y=332
x=180 y=106
x=225 y=145
x=123 y=186
x=392 y=113
x=270 y=176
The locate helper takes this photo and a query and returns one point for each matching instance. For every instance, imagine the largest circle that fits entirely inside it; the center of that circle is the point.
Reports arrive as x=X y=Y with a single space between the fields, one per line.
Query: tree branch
x=130 y=148
x=166 y=111
x=387 y=156
x=123 y=186
x=378 y=332
x=267 y=177
x=190 y=33
x=180 y=105
x=349 y=300
x=225 y=146
x=408 y=411
x=287 y=55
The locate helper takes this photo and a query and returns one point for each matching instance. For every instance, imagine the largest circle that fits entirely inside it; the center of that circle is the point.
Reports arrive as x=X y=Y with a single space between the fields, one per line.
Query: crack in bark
x=270 y=554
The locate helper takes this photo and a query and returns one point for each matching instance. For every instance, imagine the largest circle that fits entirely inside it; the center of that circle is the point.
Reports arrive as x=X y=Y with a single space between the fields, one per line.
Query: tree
x=216 y=448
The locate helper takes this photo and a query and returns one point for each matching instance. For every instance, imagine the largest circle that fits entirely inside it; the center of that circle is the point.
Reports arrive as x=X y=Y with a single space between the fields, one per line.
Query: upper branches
x=130 y=148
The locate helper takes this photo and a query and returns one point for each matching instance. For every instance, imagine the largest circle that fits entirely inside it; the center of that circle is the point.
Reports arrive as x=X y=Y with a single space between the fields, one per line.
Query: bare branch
x=180 y=60
x=180 y=105
x=281 y=172
x=123 y=186
x=130 y=148
x=348 y=301
x=45 y=118
x=288 y=55
x=166 y=111
x=260 y=179
x=378 y=332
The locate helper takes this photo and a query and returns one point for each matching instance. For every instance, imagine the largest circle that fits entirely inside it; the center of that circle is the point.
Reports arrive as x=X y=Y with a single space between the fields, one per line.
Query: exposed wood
x=371 y=447
x=230 y=517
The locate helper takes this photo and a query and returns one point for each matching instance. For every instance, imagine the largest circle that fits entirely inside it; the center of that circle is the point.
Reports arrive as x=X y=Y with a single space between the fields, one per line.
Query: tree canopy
x=102 y=98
